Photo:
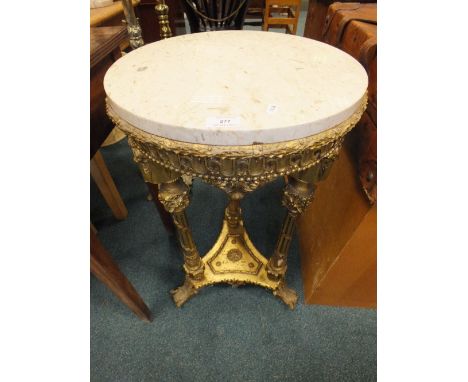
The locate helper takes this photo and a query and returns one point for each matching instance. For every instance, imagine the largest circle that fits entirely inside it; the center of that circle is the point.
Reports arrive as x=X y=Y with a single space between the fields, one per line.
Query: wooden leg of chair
x=107 y=271
x=163 y=214
x=106 y=185
x=296 y=14
x=266 y=14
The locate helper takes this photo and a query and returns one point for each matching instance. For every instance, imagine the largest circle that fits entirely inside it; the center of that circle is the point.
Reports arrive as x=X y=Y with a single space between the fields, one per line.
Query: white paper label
x=272 y=108
x=214 y=122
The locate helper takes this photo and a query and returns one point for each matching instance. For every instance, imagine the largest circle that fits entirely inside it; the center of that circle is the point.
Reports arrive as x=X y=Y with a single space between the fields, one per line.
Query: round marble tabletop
x=235 y=87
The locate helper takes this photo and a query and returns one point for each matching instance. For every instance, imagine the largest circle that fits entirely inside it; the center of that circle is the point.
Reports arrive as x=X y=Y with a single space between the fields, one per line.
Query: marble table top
x=235 y=87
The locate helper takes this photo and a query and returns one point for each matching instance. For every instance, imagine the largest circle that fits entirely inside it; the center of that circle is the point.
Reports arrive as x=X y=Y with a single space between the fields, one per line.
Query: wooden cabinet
x=338 y=240
x=338 y=232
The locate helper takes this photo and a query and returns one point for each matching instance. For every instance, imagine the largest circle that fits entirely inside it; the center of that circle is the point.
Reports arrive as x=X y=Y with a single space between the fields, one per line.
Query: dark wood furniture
x=338 y=232
x=105 y=43
x=104 y=50
x=103 y=179
x=316 y=15
x=353 y=28
x=254 y=14
x=211 y=15
x=338 y=240
x=107 y=271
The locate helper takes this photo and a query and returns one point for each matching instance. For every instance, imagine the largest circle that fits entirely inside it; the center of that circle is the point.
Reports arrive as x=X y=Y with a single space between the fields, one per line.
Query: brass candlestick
x=162 y=10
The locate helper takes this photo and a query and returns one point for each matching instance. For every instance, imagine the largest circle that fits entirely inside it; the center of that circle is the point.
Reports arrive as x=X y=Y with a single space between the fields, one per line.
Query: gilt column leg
x=175 y=198
x=297 y=195
x=153 y=175
x=232 y=213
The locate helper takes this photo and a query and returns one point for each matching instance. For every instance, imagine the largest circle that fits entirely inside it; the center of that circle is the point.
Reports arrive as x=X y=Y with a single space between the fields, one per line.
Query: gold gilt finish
x=237 y=170
x=162 y=10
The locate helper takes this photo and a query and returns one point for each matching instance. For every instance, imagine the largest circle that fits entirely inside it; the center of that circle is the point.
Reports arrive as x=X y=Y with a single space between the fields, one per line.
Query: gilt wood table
x=236 y=109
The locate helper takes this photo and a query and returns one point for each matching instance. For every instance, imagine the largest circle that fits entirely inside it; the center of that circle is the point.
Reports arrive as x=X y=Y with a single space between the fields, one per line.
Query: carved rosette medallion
x=234 y=255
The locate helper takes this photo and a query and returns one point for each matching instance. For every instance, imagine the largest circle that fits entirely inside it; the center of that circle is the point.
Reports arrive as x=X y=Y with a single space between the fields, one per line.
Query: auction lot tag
x=213 y=122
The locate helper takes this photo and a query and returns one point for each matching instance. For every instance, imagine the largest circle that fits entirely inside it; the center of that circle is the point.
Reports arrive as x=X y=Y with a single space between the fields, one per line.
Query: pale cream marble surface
x=270 y=87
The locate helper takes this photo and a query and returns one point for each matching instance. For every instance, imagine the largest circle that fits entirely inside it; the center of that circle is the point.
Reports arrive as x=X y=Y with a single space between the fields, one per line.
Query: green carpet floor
x=224 y=333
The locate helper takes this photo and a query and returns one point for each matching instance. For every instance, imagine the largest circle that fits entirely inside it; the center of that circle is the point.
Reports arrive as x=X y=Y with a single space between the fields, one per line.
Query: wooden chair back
x=282 y=14
x=213 y=15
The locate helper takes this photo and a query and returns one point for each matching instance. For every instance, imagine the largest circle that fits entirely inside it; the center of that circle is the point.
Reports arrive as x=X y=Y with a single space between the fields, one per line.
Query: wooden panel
x=104 y=40
x=338 y=231
x=352 y=279
x=328 y=224
x=315 y=19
